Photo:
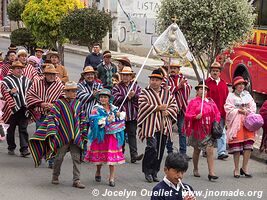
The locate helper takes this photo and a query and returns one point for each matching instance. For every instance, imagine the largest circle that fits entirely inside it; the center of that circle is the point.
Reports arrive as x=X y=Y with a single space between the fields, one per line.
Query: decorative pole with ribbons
x=170 y=44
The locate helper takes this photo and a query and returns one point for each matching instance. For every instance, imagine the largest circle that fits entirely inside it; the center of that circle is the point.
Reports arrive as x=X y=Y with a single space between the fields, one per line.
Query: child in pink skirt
x=106 y=135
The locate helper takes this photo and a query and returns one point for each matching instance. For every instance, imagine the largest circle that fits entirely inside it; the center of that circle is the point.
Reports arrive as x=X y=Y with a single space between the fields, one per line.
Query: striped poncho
x=181 y=93
x=40 y=92
x=16 y=101
x=85 y=95
x=149 y=121
x=64 y=123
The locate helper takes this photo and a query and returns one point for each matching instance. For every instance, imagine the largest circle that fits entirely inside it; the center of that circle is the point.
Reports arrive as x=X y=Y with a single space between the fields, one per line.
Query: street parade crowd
x=96 y=116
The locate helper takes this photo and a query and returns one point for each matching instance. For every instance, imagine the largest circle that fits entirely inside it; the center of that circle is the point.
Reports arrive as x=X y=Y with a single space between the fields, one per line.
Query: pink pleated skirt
x=106 y=152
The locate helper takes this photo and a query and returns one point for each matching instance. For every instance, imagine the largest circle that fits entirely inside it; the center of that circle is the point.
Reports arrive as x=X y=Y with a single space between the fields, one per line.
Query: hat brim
x=50 y=73
x=201 y=86
x=156 y=76
x=127 y=73
x=238 y=82
x=17 y=66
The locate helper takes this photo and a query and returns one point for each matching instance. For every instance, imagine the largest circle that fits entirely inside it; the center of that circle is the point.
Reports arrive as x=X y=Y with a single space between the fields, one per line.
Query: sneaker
x=222 y=156
x=78 y=184
x=55 y=180
x=11 y=152
x=25 y=153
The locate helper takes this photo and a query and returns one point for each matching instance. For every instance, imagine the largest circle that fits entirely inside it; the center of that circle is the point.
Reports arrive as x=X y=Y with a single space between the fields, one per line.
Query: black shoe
x=222 y=156
x=98 y=178
x=25 y=153
x=210 y=177
x=11 y=152
x=236 y=175
x=243 y=173
x=137 y=158
x=111 y=183
x=155 y=178
x=149 y=178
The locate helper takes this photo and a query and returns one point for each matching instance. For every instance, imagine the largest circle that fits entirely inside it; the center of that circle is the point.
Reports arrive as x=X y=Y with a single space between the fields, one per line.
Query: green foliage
x=210 y=26
x=86 y=26
x=15 y=9
x=23 y=37
x=43 y=17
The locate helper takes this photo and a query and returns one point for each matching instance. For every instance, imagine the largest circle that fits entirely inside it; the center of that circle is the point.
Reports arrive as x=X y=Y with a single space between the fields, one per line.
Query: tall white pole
x=105 y=44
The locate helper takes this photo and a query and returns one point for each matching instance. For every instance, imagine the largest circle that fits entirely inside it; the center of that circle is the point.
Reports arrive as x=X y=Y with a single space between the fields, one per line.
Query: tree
x=43 y=17
x=15 y=9
x=86 y=26
x=23 y=37
x=210 y=26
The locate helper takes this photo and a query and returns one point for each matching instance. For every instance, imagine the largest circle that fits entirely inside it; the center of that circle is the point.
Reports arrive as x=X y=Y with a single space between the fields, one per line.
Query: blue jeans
x=221 y=142
x=182 y=136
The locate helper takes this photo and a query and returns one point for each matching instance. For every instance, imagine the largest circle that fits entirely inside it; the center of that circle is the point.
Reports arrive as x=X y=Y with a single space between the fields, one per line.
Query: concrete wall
x=136 y=33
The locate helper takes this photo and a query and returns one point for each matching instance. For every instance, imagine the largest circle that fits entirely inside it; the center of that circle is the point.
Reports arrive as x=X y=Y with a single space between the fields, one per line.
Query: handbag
x=216 y=131
x=253 y=122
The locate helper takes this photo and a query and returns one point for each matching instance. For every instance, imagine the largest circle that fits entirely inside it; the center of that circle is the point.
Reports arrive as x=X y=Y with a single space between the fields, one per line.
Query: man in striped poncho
x=42 y=94
x=130 y=106
x=180 y=89
x=156 y=115
x=14 y=89
x=64 y=129
x=87 y=89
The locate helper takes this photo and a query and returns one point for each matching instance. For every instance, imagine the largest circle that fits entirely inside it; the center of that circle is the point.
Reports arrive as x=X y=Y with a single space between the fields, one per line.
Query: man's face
x=215 y=73
x=17 y=71
x=126 y=78
x=155 y=83
x=174 y=70
x=12 y=57
x=89 y=76
x=96 y=49
x=22 y=58
x=54 y=59
x=49 y=77
x=107 y=59
x=71 y=94
x=39 y=54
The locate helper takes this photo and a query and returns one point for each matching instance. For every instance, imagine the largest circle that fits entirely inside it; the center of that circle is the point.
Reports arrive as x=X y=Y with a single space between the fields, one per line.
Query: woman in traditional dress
x=106 y=135
x=239 y=104
x=198 y=128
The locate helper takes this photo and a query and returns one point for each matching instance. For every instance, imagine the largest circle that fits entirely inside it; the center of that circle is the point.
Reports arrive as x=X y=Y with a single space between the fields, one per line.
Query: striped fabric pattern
x=9 y=104
x=39 y=93
x=22 y=84
x=130 y=106
x=149 y=121
x=6 y=69
x=30 y=72
x=85 y=95
x=181 y=94
x=65 y=123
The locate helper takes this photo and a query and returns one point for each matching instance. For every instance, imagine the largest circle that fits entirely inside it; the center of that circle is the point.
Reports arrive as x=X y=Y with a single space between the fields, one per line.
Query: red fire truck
x=250 y=60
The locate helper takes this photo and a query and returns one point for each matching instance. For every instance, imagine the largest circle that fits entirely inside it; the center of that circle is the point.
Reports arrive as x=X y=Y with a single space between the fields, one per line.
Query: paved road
x=19 y=178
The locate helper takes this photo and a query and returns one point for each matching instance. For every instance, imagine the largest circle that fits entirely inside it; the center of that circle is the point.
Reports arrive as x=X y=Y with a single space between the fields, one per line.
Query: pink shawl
x=234 y=119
